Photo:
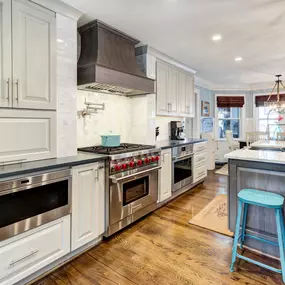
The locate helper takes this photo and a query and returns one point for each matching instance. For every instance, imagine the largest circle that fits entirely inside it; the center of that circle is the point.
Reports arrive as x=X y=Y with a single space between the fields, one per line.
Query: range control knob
x=139 y=162
x=117 y=167
x=131 y=164
x=146 y=160
x=157 y=158
x=124 y=166
x=153 y=159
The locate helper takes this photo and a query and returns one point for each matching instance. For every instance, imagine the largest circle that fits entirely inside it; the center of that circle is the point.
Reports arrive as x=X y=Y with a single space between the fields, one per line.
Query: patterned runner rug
x=214 y=216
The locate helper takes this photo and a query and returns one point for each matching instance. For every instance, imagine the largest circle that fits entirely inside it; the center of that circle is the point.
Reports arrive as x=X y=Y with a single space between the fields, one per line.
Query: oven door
x=131 y=193
x=182 y=172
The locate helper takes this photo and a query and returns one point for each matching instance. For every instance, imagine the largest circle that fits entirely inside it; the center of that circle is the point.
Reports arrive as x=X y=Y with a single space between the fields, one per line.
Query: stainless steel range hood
x=107 y=62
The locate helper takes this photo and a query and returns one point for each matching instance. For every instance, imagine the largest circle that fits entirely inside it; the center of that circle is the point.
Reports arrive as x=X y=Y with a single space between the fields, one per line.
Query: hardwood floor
x=164 y=249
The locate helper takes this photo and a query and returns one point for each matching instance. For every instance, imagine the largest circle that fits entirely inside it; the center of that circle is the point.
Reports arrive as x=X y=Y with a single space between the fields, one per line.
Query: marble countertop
x=269 y=144
x=48 y=164
x=172 y=143
x=266 y=156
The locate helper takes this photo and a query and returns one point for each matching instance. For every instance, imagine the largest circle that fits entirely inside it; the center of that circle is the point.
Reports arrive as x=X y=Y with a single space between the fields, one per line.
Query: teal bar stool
x=263 y=199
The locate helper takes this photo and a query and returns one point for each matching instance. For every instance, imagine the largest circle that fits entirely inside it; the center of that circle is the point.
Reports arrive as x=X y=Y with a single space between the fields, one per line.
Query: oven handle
x=116 y=180
x=175 y=158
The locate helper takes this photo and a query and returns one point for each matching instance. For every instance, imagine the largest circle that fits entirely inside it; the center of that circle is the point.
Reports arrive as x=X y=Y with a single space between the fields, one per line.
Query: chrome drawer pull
x=24 y=258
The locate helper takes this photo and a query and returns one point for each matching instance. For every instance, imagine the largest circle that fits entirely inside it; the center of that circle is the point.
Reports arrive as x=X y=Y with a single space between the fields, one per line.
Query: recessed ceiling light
x=238 y=58
x=59 y=40
x=216 y=38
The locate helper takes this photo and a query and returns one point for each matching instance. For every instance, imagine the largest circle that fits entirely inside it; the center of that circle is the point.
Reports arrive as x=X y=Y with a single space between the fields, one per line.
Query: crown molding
x=60 y=7
x=162 y=56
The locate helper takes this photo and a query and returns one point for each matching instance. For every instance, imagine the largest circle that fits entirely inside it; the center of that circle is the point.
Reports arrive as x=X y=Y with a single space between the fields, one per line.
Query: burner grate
x=124 y=147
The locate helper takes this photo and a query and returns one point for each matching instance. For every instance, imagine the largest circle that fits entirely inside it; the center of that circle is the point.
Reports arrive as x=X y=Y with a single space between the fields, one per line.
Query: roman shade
x=259 y=100
x=230 y=101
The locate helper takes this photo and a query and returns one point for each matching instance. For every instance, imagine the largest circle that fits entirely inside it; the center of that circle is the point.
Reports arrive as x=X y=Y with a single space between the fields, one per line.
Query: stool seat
x=261 y=198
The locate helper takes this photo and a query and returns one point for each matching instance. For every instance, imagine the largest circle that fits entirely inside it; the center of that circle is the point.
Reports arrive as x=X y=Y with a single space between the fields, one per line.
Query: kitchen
x=102 y=171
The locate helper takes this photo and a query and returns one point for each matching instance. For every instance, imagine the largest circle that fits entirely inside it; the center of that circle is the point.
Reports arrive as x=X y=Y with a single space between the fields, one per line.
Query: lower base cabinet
x=26 y=253
x=165 y=176
x=200 y=161
x=88 y=203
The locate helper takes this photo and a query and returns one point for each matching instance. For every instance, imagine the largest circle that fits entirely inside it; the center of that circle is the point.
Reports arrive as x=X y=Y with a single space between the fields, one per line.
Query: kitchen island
x=262 y=170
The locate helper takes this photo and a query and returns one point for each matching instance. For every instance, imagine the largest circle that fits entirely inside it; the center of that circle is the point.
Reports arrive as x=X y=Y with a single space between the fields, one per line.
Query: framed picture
x=205 y=109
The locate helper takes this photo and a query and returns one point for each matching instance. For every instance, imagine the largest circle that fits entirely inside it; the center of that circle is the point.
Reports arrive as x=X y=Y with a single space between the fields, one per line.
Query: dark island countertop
x=173 y=143
x=7 y=171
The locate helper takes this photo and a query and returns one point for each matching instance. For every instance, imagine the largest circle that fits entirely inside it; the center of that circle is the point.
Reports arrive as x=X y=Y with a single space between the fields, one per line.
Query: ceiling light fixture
x=217 y=38
x=60 y=41
x=276 y=104
x=238 y=58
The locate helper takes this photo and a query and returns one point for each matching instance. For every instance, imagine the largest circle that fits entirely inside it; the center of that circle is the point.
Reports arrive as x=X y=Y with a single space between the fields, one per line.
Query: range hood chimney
x=107 y=62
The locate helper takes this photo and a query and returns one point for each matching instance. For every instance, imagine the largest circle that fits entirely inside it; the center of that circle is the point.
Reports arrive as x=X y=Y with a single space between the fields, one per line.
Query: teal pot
x=110 y=140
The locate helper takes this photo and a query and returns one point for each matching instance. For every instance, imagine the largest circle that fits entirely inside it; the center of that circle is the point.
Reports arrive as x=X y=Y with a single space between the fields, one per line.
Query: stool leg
x=234 y=250
x=243 y=224
x=279 y=222
x=283 y=228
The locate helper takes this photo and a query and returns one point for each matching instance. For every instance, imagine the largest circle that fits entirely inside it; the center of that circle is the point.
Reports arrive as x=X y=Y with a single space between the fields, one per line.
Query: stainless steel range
x=132 y=185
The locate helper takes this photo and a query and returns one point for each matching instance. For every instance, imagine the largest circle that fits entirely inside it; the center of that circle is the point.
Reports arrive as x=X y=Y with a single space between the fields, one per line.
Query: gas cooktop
x=123 y=148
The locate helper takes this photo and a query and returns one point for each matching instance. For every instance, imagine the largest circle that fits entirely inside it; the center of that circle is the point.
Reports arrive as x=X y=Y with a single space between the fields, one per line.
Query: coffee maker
x=176 y=130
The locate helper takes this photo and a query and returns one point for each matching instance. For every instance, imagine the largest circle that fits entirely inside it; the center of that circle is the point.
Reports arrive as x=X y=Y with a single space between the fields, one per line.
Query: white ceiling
x=253 y=29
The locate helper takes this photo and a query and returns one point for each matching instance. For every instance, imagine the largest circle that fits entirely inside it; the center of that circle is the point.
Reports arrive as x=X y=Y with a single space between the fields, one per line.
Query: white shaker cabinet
x=34 y=56
x=186 y=97
x=88 y=203
x=24 y=254
x=5 y=54
x=27 y=135
x=167 y=90
x=162 y=101
x=165 y=176
x=190 y=96
x=175 y=91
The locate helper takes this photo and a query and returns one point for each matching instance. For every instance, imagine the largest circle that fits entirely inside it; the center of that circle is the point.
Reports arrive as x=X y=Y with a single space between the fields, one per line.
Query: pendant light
x=277 y=105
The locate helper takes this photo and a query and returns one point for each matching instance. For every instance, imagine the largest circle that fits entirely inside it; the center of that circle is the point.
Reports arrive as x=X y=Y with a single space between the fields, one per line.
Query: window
x=276 y=121
x=229 y=119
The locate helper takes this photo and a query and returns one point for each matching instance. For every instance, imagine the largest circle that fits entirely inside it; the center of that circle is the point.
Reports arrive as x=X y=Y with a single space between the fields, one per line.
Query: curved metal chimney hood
x=107 y=62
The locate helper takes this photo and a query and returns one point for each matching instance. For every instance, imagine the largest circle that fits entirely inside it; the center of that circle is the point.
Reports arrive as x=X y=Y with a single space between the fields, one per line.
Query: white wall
x=66 y=86
x=116 y=118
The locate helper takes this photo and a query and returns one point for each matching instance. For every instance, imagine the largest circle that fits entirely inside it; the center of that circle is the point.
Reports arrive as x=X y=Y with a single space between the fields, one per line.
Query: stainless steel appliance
x=176 y=130
x=132 y=187
x=182 y=166
x=28 y=202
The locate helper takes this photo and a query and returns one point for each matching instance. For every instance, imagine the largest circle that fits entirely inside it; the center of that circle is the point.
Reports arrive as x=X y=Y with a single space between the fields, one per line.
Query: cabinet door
x=190 y=96
x=165 y=177
x=173 y=90
x=162 y=103
x=5 y=54
x=88 y=203
x=27 y=135
x=34 y=56
x=182 y=100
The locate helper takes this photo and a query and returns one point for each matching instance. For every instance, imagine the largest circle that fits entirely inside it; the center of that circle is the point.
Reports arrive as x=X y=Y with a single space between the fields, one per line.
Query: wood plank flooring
x=163 y=249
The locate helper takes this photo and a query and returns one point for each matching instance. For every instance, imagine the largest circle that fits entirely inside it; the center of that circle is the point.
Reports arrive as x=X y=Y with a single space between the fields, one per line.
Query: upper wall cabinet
x=29 y=50
x=175 y=91
x=5 y=53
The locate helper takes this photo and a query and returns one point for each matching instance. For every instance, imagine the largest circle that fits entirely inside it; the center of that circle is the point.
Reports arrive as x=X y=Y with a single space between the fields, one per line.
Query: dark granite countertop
x=49 y=164
x=172 y=143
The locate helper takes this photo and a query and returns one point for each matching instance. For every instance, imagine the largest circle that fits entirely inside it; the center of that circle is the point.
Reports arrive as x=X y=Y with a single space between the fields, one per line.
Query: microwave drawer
x=200 y=159
x=26 y=253
x=200 y=147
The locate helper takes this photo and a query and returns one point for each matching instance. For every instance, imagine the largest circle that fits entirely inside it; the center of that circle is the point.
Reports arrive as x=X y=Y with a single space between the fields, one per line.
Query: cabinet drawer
x=200 y=147
x=33 y=250
x=200 y=159
x=200 y=173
